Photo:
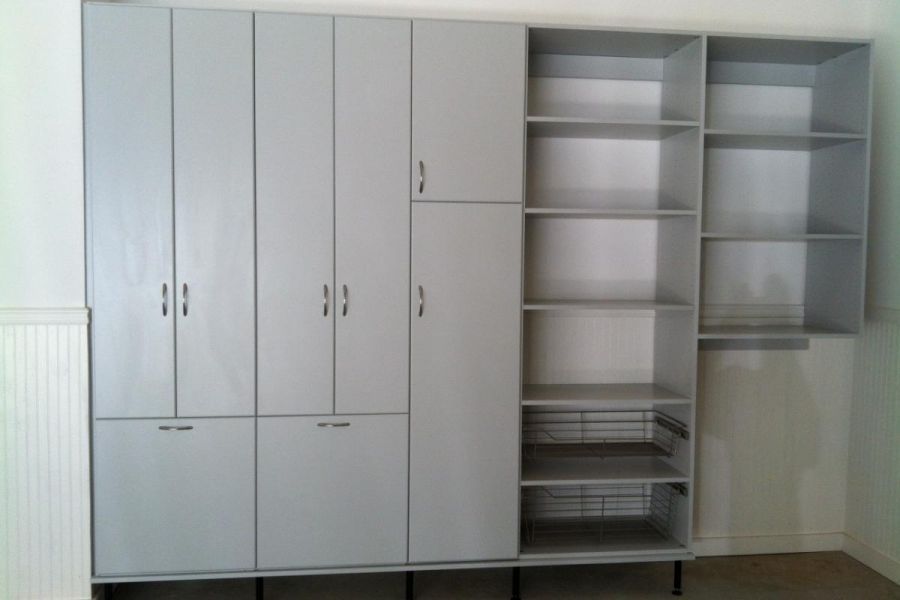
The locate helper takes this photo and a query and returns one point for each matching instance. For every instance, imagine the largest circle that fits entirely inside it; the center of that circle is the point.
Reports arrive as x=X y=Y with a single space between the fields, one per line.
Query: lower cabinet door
x=173 y=495
x=331 y=491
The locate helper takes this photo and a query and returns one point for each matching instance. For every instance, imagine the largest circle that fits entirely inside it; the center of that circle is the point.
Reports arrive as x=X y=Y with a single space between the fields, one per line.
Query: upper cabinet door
x=468 y=111
x=464 y=402
x=295 y=214
x=213 y=58
x=128 y=170
x=372 y=113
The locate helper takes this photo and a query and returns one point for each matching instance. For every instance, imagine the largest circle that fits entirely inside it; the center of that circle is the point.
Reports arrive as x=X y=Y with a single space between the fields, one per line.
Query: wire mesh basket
x=599 y=514
x=600 y=433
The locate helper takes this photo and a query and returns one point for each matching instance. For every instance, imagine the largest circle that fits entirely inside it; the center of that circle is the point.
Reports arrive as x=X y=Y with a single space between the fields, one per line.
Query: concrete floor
x=819 y=576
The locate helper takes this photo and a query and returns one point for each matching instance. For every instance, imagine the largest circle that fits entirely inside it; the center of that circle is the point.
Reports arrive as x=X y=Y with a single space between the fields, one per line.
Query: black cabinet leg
x=410 y=585
x=516 y=583
x=109 y=591
x=676 y=584
x=260 y=588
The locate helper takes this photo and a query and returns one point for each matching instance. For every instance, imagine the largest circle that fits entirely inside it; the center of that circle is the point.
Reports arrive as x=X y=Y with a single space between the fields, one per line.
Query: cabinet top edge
x=260 y=7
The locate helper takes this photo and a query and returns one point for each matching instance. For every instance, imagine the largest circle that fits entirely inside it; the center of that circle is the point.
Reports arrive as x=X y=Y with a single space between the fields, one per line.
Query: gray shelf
x=774 y=140
x=595 y=471
x=621 y=129
x=598 y=395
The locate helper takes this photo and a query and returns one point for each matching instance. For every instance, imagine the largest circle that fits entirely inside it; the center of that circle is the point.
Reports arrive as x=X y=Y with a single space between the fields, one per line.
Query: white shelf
x=591 y=471
x=588 y=544
x=776 y=140
x=610 y=305
x=756 y=332
x=595 y=395
x=606 y=213
x=779 y=237
x=639 y=201
x=622 y=129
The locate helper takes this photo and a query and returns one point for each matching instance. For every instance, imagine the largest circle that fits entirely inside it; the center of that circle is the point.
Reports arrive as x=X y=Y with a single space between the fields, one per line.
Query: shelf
x=613 y=201
x=757 y=332
x=780 y=237
x=591 y=471
x=571 y=539
x=598 y=395
x=773 y=140
x=606 y=213
x=624 y=129
x=613 y=305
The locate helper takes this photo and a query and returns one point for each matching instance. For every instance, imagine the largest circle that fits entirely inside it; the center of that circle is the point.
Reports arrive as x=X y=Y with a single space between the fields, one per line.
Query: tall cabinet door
x=128 y=170
x=372 y=112
x=468 y=111
x=464 y=402
x=213 y=129
x=295 y=214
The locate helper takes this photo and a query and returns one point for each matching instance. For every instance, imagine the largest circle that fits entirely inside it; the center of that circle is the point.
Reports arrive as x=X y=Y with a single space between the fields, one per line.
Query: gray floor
x=820 y=576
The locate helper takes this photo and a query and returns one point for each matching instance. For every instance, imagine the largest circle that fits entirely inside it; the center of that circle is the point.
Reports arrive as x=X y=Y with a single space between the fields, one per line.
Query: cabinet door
x=468 y=111
x=170 y=501
x=295 y=213
x=332 y=491
x=128 y=171
x=372 y=70
x=213 y=91
x=464 y=399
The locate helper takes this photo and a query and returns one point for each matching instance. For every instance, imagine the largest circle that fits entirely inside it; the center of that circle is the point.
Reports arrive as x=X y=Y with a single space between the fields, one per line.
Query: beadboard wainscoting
x=45 y=549
x=873 y=481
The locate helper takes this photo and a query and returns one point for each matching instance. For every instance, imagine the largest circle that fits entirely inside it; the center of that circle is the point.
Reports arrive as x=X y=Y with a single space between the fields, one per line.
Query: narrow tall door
x=295 y=214
x=468 y=108
x=128 y=172
x=213 y=132
x=464 y=398
x=372 y=124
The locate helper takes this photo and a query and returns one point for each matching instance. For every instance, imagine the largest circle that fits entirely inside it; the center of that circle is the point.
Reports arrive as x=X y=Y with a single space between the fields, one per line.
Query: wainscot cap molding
x=44 y=316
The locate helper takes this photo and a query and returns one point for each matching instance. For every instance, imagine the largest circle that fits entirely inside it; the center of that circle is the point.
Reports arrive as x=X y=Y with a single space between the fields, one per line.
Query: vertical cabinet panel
x=213 y=92
x=372 y=122
x=170 y=501
x=332 y=494
x=128 y=170
x=468 y=111
x=295 y=214
x=464 y=400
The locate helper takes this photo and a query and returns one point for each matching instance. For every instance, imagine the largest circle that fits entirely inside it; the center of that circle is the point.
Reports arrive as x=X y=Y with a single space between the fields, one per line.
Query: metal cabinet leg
x=676 y=585
x=516 y=583
x=260 y=588
x=410 y=583
x=109 y=591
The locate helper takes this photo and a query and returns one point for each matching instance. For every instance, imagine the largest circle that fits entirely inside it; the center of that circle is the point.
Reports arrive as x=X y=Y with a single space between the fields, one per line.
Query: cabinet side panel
x=128 y=165
x=295 y=213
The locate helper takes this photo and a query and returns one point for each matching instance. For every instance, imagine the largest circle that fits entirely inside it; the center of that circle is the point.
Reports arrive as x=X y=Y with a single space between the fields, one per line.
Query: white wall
x=41 y=191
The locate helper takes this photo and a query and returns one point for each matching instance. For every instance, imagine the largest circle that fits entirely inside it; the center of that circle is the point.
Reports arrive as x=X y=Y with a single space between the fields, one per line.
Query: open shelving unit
x=785 y=188
x=613 y=187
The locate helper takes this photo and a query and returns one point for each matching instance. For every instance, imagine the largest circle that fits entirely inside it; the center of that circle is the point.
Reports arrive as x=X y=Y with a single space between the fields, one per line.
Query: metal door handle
x=165 y=299
x=325 y=302
x=175 y=427
x=184 y=299
x=344 y=306
x=421 y=300
x=421 y=176
x=344 y=424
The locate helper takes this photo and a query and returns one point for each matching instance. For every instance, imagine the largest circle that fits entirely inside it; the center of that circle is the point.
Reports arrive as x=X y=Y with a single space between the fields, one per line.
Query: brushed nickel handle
x=184 y=299
x=325 y=302
x=421 y=300
x=344 y=306
x=421 y=176
x=175 y=427
x=342 y=424
x=165 y=299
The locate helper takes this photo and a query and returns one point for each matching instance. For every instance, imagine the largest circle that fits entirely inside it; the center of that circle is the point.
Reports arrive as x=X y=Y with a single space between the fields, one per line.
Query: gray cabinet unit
x=468 y=100
x=128 y=172
x=331 y=491
x=213 y=133
x=173 y=496
x=295 y=214
x=372 y=104
x=464 y=396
